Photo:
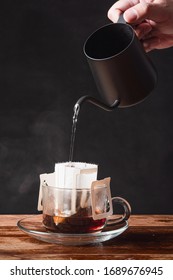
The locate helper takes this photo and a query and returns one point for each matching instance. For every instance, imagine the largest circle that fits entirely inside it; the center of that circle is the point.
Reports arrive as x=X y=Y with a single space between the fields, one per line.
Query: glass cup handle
x=112 y=220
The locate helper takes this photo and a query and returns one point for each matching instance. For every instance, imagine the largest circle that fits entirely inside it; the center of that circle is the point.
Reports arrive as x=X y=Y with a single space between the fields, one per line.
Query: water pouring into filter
x=72 y=199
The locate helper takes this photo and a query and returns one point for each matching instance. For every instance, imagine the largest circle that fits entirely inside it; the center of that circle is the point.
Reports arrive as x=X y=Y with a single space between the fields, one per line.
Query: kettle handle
x=121 y=19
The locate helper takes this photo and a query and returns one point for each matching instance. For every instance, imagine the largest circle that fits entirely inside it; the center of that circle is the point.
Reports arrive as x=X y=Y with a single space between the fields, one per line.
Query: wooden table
x=148 y=237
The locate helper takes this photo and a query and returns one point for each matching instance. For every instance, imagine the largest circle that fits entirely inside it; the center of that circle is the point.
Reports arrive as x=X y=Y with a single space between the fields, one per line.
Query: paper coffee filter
x=70 y=175
x=46 y=178
x=75 y=174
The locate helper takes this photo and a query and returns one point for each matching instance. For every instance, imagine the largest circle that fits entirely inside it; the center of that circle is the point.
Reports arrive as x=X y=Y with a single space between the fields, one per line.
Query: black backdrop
x=43 y=72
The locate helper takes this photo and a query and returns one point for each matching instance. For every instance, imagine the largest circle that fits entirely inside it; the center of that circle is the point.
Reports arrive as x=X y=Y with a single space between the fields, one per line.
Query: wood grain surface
x=148 y=237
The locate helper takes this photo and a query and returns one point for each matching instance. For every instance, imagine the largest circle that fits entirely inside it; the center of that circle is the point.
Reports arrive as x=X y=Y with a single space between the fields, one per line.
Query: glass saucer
x=33 y=226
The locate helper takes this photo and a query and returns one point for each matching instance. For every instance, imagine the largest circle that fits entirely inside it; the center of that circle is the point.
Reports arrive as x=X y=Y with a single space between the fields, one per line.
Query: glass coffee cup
x=81 y=210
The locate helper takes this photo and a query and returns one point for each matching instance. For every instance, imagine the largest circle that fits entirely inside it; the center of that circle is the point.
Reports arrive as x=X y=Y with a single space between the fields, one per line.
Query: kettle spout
x=94 y=101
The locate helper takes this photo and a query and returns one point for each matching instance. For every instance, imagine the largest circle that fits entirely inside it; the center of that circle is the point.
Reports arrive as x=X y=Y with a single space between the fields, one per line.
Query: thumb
x=141 y=11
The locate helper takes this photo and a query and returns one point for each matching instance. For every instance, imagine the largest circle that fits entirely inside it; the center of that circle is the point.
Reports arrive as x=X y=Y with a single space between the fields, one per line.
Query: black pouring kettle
x=122 y=70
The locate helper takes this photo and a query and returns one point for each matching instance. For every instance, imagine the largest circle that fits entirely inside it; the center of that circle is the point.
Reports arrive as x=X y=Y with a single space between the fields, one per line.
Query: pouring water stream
x=76 y=110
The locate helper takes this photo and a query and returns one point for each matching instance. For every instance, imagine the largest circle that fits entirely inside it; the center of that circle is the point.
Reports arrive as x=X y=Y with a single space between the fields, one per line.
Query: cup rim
x=71 y=189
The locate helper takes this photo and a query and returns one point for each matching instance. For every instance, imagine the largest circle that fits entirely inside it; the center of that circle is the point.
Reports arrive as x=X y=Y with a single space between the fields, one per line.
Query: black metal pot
x=120 y=66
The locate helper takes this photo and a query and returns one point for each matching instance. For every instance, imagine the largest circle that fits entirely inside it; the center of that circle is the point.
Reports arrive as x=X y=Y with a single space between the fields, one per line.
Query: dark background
x=43 y=72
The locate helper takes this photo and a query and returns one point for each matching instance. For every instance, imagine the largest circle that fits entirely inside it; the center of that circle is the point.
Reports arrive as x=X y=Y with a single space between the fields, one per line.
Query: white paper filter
x=75 y=175
x=71 y=175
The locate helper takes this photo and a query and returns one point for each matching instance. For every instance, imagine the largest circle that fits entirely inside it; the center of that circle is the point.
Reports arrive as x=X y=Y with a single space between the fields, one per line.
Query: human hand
x=152 y=20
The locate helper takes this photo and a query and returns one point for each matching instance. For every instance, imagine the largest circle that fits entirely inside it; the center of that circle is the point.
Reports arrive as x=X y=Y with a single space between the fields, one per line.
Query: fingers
x=135 y=11
x=151 y=44
x=119 y=7
x=157 y=42
x=151 y=20
x=142 y=30
x=138 y=13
